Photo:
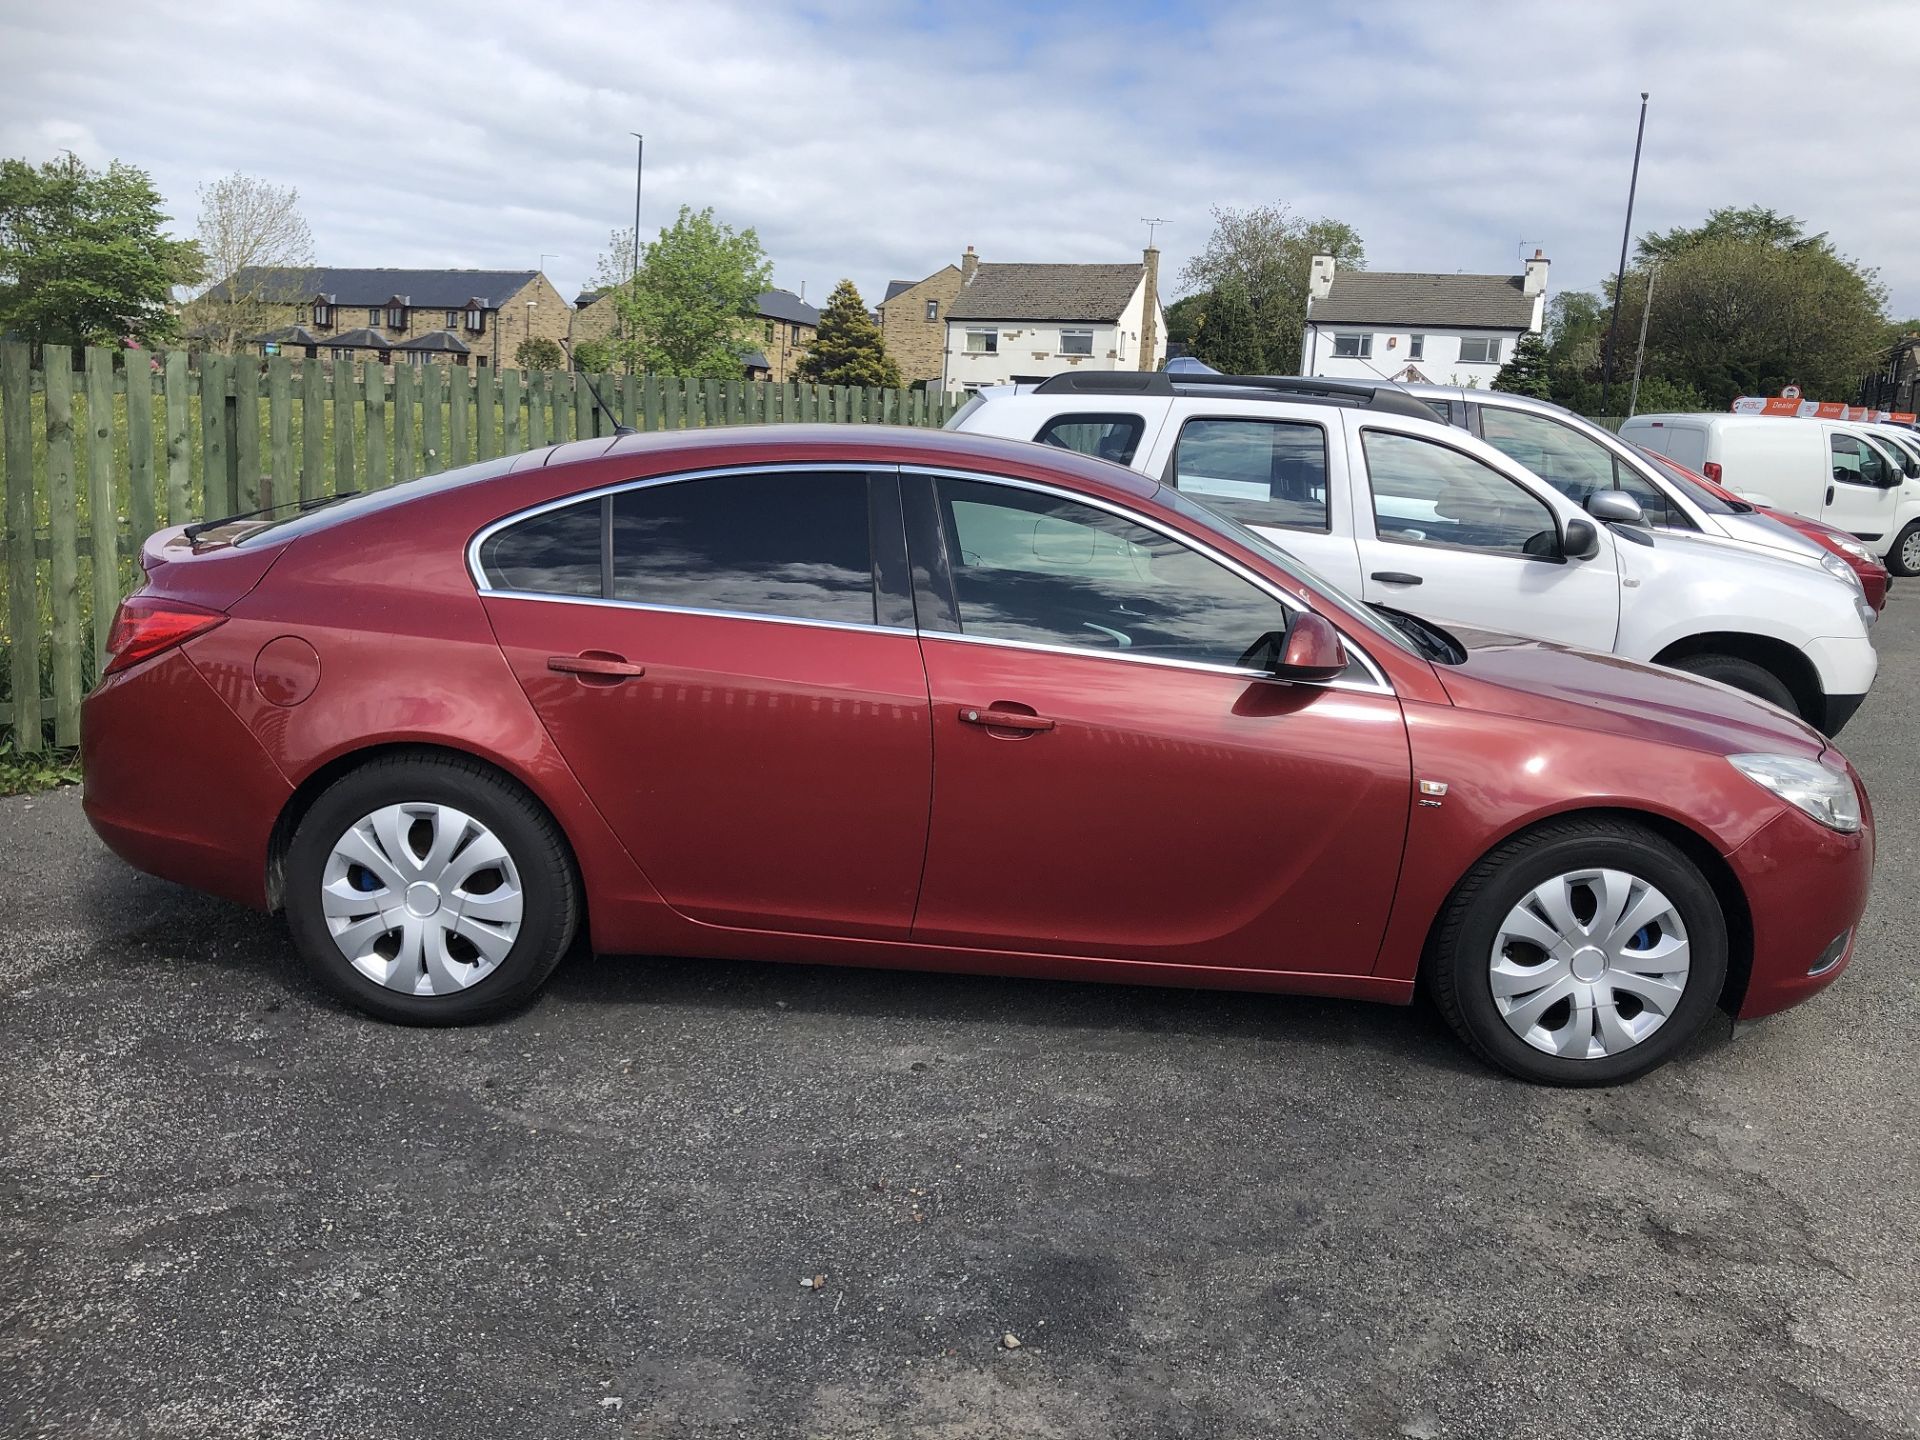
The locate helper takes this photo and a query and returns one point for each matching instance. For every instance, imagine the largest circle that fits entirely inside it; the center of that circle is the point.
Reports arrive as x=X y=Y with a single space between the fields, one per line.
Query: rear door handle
x=1397 y=577
x=596 y=665
x=1004 y=719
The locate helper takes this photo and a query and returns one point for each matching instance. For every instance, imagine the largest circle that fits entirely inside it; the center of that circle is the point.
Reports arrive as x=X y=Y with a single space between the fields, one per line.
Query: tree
x=84 y=257
x=1268 y=251
x=594 y=356
x=1226 y=335
x=537 y=352
x=847 y=348
x=1183 y=316
x=1526 y=373
x=689 y=309
x=256 y=246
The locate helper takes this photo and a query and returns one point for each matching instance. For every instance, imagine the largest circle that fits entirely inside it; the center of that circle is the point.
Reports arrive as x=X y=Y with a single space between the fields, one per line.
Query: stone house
x=1020 y=323
x=1442 y=329
x=468 y=317
x=778 y=339
x=913 y=320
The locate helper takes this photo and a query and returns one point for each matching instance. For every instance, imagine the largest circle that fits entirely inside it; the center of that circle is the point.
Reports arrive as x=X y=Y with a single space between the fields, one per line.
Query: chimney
x=969 y=263
x=1150 y=318
x=1536 y=281
x=1319 y=278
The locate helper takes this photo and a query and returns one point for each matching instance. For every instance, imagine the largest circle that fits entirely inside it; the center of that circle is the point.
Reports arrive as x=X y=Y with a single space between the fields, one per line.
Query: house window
x=933 y=310
x=476 y=320
x=373 y=317
x=342 y=352
x=1076 y=342
x=983 y=342
x=299 y=314
x=1479 y=350
x=396 y=317
x=453 y=319
x=793 y=334
x=323 y=316
x=1416 y=347
x=769 y=328
x=1352 y=347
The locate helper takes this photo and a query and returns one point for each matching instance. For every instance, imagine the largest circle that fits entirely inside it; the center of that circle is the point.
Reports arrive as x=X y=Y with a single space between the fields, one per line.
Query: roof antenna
x=1152 y=223
x=594 y=390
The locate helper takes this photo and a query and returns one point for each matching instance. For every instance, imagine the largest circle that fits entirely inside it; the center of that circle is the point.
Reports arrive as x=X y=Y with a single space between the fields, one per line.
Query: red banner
x=1816 y=409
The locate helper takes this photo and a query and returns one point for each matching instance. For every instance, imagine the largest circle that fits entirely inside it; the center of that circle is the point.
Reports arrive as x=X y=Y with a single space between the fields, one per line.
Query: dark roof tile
x=1467 y=302
x=1047 y=292
x=425 y=289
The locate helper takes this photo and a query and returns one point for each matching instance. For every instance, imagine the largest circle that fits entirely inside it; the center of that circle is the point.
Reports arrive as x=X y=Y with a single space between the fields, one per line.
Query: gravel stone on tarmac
x=229 y=1206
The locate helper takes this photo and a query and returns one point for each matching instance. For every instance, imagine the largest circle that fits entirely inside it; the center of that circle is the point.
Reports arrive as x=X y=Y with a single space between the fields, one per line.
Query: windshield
x=1699 y=494
x=1220 y=525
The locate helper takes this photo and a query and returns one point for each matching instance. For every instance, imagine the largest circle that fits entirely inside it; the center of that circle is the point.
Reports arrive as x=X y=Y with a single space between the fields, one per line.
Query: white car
x=1367 y=485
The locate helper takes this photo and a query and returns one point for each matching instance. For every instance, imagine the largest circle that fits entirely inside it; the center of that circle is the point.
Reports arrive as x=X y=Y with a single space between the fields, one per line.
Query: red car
x=908 y=698
x=1874 y=579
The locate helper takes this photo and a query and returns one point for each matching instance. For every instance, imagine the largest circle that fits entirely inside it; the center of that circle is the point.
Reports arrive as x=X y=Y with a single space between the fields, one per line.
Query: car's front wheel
x=1744 y=675
x=1904 y=558
x=1586 y=952
x=430 y=891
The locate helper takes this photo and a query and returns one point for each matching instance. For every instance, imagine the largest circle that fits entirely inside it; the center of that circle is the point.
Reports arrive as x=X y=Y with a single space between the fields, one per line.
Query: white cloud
x=873 y=141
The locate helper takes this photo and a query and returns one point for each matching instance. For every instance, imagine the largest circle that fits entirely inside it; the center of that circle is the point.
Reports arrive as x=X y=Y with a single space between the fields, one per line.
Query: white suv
x=1366 y=484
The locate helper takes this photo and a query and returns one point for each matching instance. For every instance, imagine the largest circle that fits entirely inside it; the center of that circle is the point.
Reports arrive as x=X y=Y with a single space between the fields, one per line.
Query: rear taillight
x=1711 y=470
x=145 y=625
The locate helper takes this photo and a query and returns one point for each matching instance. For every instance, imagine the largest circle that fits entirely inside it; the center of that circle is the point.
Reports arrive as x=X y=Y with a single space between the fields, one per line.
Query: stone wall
x=918 y=345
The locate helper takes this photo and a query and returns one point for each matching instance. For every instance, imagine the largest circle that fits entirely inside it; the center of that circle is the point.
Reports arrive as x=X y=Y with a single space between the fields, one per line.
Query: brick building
x=913 y=319
x=471 y=317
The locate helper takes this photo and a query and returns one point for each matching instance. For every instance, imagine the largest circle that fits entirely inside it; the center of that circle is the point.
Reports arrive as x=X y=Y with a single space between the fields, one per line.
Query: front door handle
x=596 y=667
x=1397 y=577
x=1829 y=494
x=1004 y=720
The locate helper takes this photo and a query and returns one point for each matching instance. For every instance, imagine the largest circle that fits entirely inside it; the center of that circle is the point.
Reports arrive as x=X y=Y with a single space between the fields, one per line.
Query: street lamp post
x=1620 y=275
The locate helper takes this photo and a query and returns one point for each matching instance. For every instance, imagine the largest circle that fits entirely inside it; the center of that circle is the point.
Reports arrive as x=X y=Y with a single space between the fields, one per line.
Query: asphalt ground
x=230 y=1207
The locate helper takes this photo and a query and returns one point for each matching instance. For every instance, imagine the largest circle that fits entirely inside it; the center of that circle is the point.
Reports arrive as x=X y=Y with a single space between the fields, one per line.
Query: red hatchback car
x=900 y=697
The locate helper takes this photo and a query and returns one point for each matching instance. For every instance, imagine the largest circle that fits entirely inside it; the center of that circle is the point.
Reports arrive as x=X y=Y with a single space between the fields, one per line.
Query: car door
x=727 y=663
x=1282 y=476
x=1863 y=495
x=1111 y=781
x=1445 y=535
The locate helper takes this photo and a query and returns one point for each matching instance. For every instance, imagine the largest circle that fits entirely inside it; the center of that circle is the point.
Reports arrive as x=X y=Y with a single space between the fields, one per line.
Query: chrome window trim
x=1381 y=684
x=1134 y=517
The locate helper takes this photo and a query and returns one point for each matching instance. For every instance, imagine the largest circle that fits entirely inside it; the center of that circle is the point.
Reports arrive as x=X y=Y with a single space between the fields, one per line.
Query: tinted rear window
x=1104 y=437
x=555 y=553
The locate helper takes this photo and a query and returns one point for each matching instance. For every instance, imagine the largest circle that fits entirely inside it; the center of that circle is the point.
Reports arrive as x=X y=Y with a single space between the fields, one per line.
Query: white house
x=1443 y=329
x=1013 y=323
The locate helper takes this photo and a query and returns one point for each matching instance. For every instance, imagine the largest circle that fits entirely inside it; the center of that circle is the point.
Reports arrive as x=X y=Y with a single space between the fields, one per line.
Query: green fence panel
x=373 y=394
x=313 y=431
x=23 y=597
x=142 y=514
x=405 y=456
x=63 y=514
x=510 y=412
x=103 y=510
x=432 y=438
x=281 y=480
x=215 y=499
x=178 y=384
x=246 y=432
x=343 y=426
x=484 y=422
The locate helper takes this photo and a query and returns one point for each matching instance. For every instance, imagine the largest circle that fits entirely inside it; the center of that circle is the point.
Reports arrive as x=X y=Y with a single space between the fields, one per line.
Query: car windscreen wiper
x=300 y=507
x=1431 y=640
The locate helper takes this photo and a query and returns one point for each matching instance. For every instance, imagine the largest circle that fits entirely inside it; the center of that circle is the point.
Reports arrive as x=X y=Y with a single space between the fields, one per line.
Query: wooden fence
x=97 y=455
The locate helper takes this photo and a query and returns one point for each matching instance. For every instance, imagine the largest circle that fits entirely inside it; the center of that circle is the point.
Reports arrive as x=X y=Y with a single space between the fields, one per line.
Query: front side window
x=1261 y=472
x=1428 y=494
x=1416 y=347
x=1105 y=437
x=983 y=342
x=1576 y=465
x=1352 y=347
x=1076 y=342
x=788 y=543
x=1479 y=350
x=1857 y=463
x=555 y=553
x=1045 y=570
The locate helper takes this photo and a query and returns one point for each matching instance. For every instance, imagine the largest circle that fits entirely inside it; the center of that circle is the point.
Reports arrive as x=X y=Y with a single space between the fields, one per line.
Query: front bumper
x=1806 y=886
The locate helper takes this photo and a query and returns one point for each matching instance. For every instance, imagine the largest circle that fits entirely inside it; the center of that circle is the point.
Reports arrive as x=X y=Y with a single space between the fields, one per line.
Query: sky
x=876 y=141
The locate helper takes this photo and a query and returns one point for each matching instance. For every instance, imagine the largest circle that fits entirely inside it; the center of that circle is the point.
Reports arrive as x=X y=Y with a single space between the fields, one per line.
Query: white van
x=1903 y=556
x=1828 y=470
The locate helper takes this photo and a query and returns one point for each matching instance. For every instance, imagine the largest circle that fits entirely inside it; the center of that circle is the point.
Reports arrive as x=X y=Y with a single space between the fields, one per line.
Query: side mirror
x=1582 y=541
x=1615 y=507
x=1308 y=649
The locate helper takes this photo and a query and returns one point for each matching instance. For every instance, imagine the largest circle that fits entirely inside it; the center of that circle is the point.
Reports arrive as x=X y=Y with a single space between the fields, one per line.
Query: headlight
x=1826 y=795
x=1853 y=548
x=1840 y=570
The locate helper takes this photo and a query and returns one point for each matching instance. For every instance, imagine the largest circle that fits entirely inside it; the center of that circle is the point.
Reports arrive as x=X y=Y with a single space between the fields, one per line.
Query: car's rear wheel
x=1741 y=675
x=428 y=890
x=1904 y=558
x=1586 y=952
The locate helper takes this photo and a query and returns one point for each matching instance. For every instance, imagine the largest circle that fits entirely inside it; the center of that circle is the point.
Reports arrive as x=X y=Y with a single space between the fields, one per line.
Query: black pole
x=633 y=273
x=1620 y=276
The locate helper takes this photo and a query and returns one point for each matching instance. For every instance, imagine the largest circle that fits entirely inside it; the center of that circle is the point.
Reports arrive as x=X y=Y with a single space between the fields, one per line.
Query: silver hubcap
x=1910 y=551
x=421 y=898
x=1589 y=964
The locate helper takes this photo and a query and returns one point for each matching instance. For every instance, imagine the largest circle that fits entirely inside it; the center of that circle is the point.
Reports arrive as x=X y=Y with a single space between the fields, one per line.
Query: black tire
x=550 y=890
x=1743 y=675
x=1457 y=962
x=1897 y=557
